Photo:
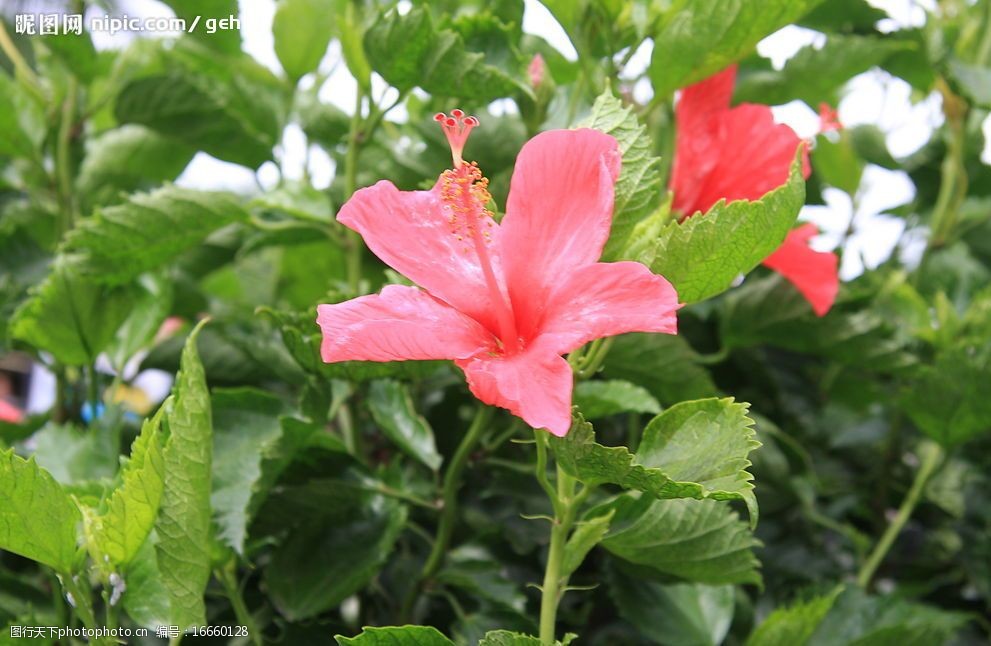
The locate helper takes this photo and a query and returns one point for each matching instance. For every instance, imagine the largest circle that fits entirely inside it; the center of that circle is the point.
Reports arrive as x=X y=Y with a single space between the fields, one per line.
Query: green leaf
x=150 y=229
x=950 y=400
x=837 y=163
x=393 y=411
x=152 y=305
x=224 y=40
x=410 y=51
x=125 y=160
x=183 y=526
x=816 y=75
x=843 y=16
x=793 y=625
x=37 y=517
x=704 y=254
x=476 y=571
x=75 y=456
x=587 y=535
x=228 y=106
x=396 y=636
x=664 y=364
x=673 y=615
x=70 y=316
x=695 y=449
x=974 y=81
x=508 y=638
x=601 y=398
x=116 y=534
x=21 y=120
x=697 y=38
x=870 y=144
x=323 y=123
x=251 y=444
x=146 y=600
x=331 y=556
x=703 y=541
x=638 y=189
x=302 y=30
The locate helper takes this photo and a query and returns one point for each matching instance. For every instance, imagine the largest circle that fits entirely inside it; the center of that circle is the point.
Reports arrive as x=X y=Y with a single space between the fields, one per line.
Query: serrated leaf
x=638 y=190
x=392 y=409
x=601 y=398
x=664 y=364
x=38 y=519
x=587 y=535
x=396 y=636
x=704 y=254
x=183 y=526
x=152 y=304
x=697 y=540
x=117 y=533
x=950 y=401
x=509 y=638
x=301 y=30
x=70 y=316
x=695 y=449
x=674 y=615
x=410 y=51
x=697 y=38
x=150 y=229
x=794 y=624
x=125 y=160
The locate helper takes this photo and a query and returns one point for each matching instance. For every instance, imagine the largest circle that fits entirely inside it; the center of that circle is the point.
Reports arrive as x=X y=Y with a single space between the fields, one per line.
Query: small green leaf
x=601 y=398
x=183 y=526
x=75 y=456
x=152 y=304
x=587 y=535
x=302 y=31
x=703 y=541
x=38 y=519
x=150 y=229
x=118 y=532
x=793 y=625
x=70 y=316
x=22 y=121
x=396 y=636
x=697 y=38
x=837 y=163
x=393 y=411
x=638 y=189
x=704 y=254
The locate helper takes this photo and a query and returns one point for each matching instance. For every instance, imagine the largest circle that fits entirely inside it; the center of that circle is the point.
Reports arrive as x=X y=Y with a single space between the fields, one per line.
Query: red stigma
x=456 y=128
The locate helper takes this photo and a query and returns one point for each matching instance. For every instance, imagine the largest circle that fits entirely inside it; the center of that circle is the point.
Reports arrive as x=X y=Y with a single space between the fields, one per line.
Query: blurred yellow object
x=133 y=399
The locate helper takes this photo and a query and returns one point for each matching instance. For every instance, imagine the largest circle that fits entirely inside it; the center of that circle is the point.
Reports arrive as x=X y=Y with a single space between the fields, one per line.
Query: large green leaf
x=71 y=316
x=638 y=189
x=228 y=106
x=695 y=449
x=393 y=411
x=673 y=615
x=38 y=519
x=703 y=541
x=704 y=254
x=396 y=636
x=601 y=398
x=302 y=31
x=950 y=401
x=697 y=38
x=664 y=364
x=114 y=535
x=127 y=159
x=76 y=456
x=411 y=51
x=183 y=526
x=793 y=625
x=148 y=230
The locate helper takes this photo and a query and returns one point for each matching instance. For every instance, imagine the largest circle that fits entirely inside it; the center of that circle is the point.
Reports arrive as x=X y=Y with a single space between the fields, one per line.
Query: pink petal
x=534 y=385
x=813 y=273
x=411 y=232
x=606 y=299
x=10 y=413
x=559 y=212
x=398 y=324
x=697 y=145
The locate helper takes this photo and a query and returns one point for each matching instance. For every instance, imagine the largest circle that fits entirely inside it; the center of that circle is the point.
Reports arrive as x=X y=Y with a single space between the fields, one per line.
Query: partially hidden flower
x=536 y=70
x=829 y=118
x=740 y=153
x=10 y=413
x=502 y=300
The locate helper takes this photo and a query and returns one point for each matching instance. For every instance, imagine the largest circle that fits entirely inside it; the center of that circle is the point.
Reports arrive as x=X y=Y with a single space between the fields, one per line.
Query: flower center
x=465 y=192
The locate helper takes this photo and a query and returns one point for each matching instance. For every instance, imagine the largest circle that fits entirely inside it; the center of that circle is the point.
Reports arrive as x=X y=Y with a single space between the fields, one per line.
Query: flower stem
x=953 y=181
x=932 y=457
x=82 y=603
x=449 y=507
x=228 y=579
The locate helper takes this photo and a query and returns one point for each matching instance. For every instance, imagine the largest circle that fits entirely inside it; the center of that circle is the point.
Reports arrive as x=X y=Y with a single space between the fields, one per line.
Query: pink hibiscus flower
x=502 y=300
x=740 y=154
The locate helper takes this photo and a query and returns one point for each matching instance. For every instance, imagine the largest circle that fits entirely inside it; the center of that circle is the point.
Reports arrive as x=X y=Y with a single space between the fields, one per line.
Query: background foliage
x=301 y=499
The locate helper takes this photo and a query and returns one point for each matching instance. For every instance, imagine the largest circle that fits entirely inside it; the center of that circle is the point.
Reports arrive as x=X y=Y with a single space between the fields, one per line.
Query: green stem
x=93 y=391
x=449 y=506
x=82 y=604
x=566 y=505
x=932 y=456
x=228 y=579
x=953 y=179
x=23 y=71
x=62 y=156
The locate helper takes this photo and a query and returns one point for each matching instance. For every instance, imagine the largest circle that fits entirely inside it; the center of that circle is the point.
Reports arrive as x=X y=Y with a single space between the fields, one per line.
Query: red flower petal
x=814 y=273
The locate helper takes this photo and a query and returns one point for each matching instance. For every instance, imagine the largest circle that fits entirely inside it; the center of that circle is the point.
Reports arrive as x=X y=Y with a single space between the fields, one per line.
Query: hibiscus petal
x=697 y=145
x=558 y=214
x=813 y=273
x=398 y=324
x=606 y=299
x=534 y=385
x=411 y=232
